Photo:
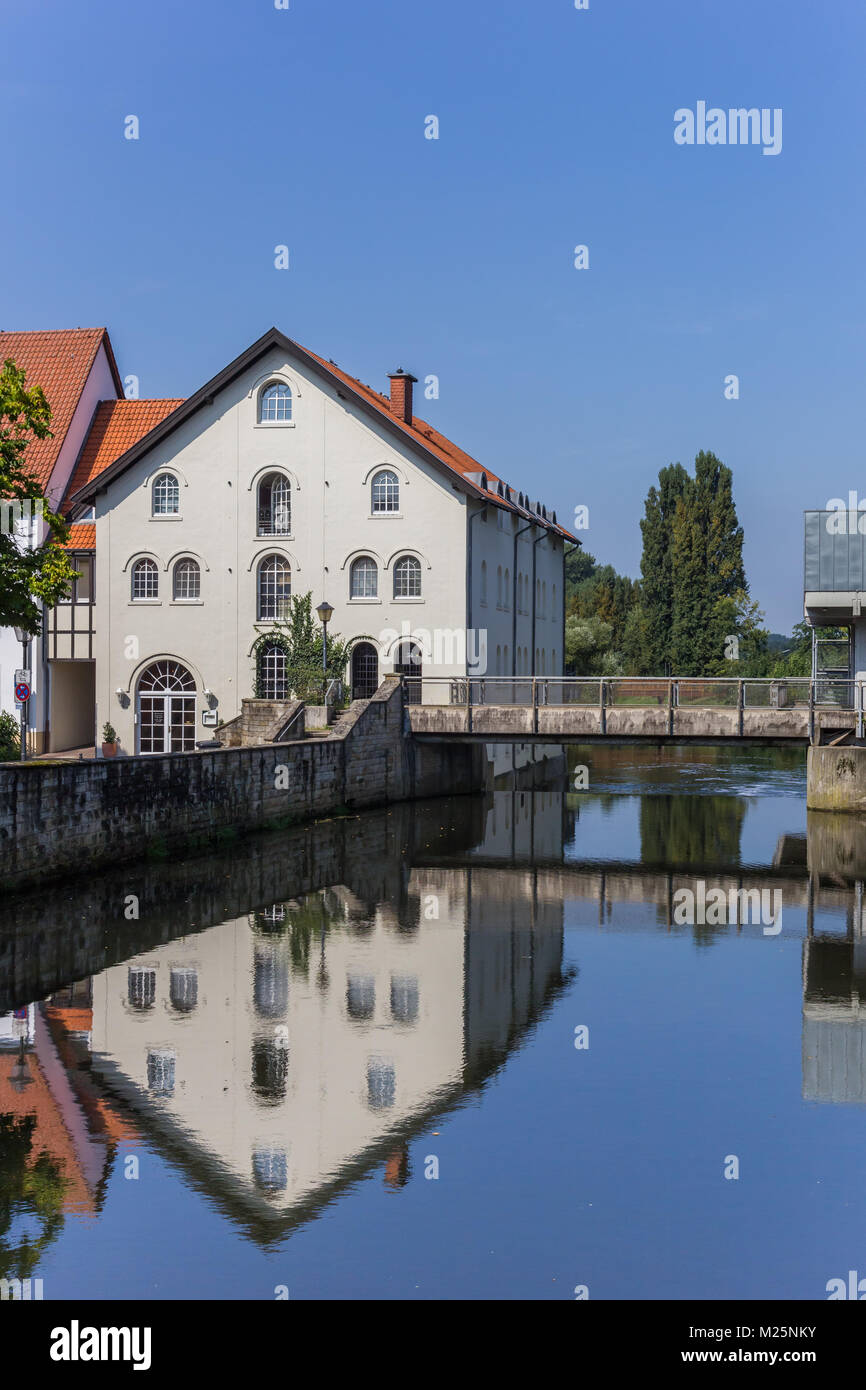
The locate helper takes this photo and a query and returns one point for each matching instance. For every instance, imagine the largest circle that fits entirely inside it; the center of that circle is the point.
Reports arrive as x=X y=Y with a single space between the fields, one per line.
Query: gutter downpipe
x=528 y=527
x=542 y=537
x=482 y=511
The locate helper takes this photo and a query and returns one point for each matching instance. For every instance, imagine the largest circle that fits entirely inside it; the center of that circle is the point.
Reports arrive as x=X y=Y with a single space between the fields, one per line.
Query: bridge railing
x=606 y=692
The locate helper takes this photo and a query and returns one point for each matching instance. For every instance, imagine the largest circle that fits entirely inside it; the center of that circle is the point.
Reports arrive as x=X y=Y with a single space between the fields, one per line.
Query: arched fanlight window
x=275 y=588
x=166 y=495
x=273 y=681
x=364 y=578
x=274 y=506
x=386 y=492
x=407 y=577
x=145 y=579
x=187 y=580
x=275 y=404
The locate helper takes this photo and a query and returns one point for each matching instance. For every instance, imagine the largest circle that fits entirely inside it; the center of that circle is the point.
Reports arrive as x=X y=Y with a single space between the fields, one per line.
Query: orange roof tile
x=116 y=426
x=58 y=360
x=438 y=444
x=82 y=536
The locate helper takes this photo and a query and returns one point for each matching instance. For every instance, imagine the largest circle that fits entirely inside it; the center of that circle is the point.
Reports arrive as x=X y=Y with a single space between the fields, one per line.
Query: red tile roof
x=82 y=536
x=438 y=444
x=117 y=425
x=107 y=443
x=59 y=361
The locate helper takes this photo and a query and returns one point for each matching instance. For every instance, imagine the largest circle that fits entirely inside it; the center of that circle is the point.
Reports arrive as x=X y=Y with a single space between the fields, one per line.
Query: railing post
x=601 y=694
x=859 y=709
x=741 y=703
x=670 y=709
x=534 y=705
x=468 y=704
x=811 y=711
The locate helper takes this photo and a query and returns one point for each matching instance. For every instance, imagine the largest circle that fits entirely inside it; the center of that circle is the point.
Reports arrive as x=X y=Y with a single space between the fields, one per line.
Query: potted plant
x=109 y=741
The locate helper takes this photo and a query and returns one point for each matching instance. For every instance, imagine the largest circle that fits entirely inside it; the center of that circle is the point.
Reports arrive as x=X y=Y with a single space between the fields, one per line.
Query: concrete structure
x=284 y=475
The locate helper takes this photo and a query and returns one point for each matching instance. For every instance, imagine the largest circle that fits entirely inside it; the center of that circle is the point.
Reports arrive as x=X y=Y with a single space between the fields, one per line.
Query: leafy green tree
x=27 y=1185
x=587 y=644
x=28 y=577
x=10 y=738
x=657 y=563
x=300 y=636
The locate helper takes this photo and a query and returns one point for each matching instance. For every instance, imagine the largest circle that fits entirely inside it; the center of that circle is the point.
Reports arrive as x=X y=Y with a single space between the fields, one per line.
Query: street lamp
x=23 y=637
x=325 y=612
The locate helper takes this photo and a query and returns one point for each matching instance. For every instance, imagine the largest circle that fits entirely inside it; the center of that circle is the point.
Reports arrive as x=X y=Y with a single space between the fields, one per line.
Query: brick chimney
x=401 y=394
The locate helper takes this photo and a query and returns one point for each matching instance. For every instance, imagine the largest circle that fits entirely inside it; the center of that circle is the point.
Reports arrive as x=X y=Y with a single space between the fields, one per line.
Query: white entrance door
x=166 y=709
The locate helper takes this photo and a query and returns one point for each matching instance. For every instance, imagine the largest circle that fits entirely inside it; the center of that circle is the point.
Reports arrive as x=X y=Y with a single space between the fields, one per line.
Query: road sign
x=22 y=675
x=22 y=692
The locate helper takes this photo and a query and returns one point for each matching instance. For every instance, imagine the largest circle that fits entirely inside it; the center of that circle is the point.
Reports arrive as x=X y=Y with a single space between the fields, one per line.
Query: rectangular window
x=84 y=582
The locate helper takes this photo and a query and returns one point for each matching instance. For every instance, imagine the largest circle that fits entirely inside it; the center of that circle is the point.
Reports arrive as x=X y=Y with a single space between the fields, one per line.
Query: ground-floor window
x=365 y=671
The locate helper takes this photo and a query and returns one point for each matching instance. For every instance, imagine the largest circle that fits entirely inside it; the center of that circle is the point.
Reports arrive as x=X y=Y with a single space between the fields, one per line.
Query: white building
x=284 y=475
x=76 y=369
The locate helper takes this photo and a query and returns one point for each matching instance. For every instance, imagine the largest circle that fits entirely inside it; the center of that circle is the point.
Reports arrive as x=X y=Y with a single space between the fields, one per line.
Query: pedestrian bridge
x=677 y=709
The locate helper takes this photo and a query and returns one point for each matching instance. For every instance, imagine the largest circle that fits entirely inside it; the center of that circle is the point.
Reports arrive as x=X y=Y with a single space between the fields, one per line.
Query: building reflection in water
x=303 y=1042
x=285 y=1052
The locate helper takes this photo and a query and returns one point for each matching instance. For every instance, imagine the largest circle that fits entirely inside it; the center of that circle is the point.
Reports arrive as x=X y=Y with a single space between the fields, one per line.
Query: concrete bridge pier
x=836 y=778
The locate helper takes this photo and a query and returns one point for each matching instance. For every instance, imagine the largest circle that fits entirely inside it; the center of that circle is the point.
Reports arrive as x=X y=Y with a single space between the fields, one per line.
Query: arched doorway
x=166 y=709
x=365 y=671
x=407 y=662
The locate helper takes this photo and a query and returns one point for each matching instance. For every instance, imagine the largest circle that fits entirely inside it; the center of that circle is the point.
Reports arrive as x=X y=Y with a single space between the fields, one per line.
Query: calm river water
x=462 y=1049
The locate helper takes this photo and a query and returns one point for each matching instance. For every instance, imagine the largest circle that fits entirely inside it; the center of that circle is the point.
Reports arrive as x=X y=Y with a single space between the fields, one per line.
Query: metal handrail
x=670 y=691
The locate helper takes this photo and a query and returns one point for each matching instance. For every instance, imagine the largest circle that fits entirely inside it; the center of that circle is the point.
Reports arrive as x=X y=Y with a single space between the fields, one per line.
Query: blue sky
x=454 y=256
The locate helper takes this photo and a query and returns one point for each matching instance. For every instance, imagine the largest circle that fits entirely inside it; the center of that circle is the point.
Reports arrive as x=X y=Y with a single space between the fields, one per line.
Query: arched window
x=498 y=586
x=183 y=988
x=499 y=661
x=273 y=683
x=386 y=492
x=507 y=594
x=166 y=495
x=275 y=404
x=187 y=580
x=544 y=599
x=553 y=601
x=364 y=578
x=407 y=577
x=275 y=588
x=484 y=583
x=543 y=662
x=274 y=506
x=270 y=1069
x=404 y=998
x=520 y=593
x=360 y=996
x=141 y=986
x=145 y=579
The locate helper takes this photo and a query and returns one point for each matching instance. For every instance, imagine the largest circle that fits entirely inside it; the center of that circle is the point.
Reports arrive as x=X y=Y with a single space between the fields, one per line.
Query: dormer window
x=275 y=404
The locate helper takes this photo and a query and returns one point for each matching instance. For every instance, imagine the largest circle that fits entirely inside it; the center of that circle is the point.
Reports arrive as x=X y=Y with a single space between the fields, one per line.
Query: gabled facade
x=77 y=370
x=283 y=475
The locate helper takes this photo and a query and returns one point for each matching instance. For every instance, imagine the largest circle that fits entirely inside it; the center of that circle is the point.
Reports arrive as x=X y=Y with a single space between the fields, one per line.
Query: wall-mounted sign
x=210 y=718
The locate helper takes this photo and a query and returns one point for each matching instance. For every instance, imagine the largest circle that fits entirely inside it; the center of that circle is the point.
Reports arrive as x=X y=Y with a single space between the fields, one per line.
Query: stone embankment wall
x=69 y=818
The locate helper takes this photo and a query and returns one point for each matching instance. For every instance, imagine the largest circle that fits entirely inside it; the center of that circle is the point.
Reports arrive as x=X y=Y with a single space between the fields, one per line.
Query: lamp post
x=325 y=612
x=23 y=637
